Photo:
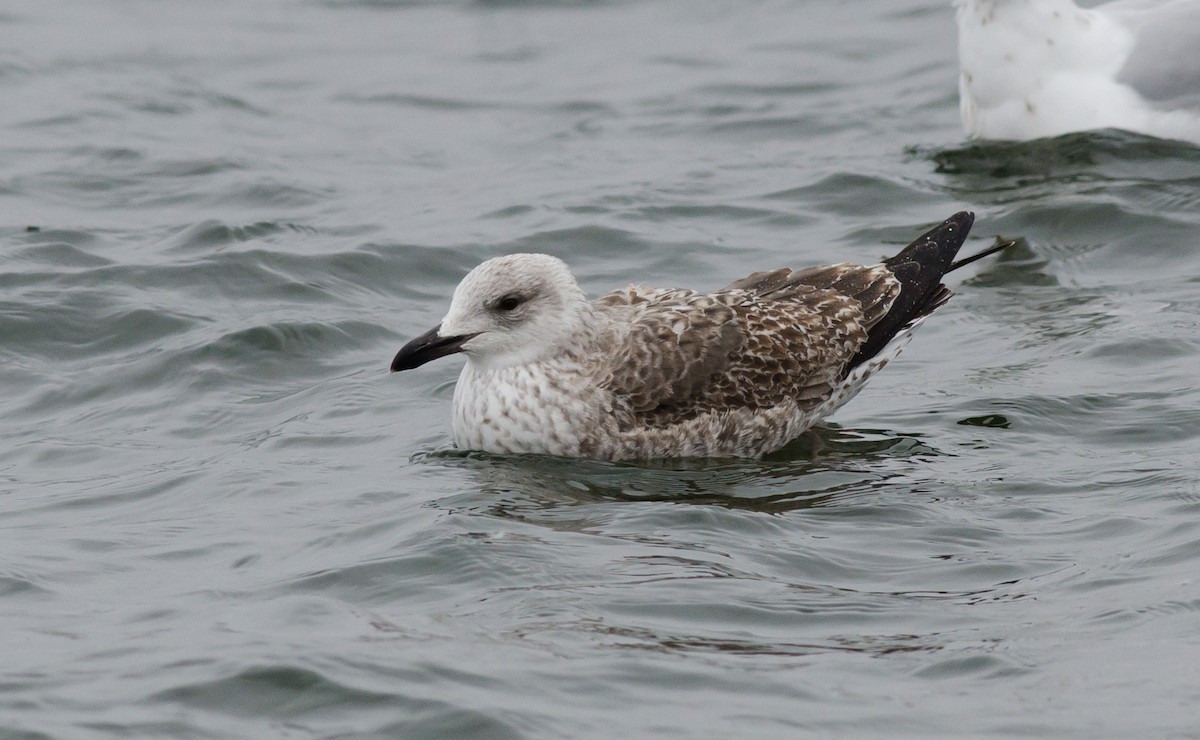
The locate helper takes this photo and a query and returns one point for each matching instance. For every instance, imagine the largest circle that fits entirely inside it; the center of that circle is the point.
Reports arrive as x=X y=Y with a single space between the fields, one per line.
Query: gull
x=665 y=373
x=1036 y=68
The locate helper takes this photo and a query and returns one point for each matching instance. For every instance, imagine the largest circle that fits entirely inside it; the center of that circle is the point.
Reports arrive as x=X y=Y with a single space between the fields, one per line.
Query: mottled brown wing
x=677 y=341
x=874 y=287
x=795 y=349
x=771 y=338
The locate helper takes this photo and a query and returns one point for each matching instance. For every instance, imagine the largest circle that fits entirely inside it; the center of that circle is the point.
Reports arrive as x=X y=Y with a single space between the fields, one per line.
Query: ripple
x=1068 y=157
x=648 y=640
x=960 y=667
x=716 y=212
x=12 y=63
x=84 y=330
x=768 y=91
x=207 y=234
x=61 y=255
x=267 y=191
x=14 y=585
x=316 y=698
x=845 y=193
x=594 y=243
x=425 y=102
x=1116 y=420
x=287 y=339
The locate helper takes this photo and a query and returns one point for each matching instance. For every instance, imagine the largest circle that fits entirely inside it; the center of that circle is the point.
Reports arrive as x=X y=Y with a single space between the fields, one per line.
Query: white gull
x=1035 y=68
x=647 y=372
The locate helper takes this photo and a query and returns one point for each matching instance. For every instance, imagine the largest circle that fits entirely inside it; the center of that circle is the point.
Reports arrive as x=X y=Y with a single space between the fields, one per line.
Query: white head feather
x=520 y=308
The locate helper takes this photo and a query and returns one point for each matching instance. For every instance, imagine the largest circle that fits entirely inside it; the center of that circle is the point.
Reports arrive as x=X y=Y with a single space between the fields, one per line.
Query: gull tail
x=920 y=267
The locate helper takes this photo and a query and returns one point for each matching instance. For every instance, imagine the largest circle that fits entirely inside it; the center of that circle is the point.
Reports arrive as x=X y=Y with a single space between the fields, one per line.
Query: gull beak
x=428 y=346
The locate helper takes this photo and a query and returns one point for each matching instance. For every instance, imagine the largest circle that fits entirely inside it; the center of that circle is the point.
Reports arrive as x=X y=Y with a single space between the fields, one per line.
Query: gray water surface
x=221 y=517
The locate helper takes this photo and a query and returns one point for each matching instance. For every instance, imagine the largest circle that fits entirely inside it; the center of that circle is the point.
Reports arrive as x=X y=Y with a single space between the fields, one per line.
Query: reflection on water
x=1090 y=156
x=821 y=466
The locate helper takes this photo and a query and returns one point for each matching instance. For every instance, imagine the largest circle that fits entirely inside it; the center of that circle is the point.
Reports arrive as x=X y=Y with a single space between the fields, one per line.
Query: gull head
x=509 y=310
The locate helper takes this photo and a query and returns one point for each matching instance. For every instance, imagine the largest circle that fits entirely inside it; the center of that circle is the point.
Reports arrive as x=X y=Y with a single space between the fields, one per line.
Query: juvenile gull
x=1034 y=68
x=647 y=372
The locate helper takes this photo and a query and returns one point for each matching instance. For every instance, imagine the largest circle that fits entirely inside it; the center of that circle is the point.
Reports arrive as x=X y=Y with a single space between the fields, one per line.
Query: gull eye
x=509 y=302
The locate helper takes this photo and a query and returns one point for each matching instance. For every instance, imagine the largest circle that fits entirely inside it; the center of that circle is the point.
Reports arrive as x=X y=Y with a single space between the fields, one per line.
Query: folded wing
x=773 y=337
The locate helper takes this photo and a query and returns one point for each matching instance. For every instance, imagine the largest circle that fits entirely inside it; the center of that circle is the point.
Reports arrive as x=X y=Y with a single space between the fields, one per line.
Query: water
x=221 y=517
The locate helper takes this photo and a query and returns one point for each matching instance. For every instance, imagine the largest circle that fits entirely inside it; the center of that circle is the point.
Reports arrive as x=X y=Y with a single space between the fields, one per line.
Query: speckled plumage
x=643 y=372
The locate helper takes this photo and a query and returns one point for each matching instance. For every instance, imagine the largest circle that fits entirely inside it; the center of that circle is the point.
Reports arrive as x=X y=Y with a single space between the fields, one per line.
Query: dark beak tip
x=427 y=347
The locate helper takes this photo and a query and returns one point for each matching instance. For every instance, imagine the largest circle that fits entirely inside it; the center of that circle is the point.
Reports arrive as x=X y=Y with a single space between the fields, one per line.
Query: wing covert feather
x=677 y=341
x=771 y=338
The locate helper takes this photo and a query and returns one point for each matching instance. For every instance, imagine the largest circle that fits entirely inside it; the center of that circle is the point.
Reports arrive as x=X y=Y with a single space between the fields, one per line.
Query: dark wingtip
x=937 y=248
x=919 y=268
